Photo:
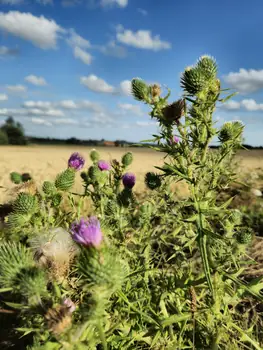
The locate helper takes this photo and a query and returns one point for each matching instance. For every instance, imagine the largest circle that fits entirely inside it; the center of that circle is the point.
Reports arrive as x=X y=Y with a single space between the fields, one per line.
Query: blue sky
x=66 y=65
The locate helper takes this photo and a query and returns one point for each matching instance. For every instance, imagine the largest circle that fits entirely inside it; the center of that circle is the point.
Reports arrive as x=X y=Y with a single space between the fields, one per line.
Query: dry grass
x=44 y=162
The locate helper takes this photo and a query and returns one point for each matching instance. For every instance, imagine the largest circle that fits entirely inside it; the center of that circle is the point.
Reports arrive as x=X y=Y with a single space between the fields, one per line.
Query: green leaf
x=176 y=319
x=3 y=290
x=228 y=97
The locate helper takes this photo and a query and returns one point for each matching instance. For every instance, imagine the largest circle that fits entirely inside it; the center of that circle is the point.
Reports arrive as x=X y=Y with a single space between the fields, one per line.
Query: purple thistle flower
x=87 y=232
x=129 y=180
x=176 y=139
x=103 y=165
x=76 y=161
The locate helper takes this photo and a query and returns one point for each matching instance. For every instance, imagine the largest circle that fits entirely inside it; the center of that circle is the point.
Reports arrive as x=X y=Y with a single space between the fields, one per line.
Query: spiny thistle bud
x=56 y=199
x=49 y=188
x=173 y=112
x=244 y=236
x=84 y=176
x=193 y=81
x=16 y=178
x=94 y=156
x=140 y=90
x=127 y=159
x=152 y=180
x=26 y=177
x=226 y=132
x=16 y=220
x=25 y=203
x=155 y=90
x=94 y=173
x=208 y=66
x=236 y=217
x=125 y=197
x=65 y=180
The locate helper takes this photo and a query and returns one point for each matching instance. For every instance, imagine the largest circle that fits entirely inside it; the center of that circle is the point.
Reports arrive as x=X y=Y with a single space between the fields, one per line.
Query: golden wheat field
x=44 y=162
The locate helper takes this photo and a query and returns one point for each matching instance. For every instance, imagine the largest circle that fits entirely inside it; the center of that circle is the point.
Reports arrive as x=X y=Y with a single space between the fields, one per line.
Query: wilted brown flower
x=173 y=112
x=58 y=319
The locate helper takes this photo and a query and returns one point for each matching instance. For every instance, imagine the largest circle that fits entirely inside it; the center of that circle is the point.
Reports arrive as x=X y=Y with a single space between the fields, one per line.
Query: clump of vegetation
x=12 y=133
x=157 y=273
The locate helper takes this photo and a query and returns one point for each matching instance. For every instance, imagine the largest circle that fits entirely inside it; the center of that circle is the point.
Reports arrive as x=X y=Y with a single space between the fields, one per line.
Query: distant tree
x=3 y=138
x=14 y=131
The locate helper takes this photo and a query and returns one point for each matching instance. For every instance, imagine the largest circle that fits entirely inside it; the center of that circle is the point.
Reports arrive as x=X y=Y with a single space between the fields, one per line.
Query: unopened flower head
x=70 y=305
x=129 y=180
x=103 y=165
x=87 y=232
x=76 y=161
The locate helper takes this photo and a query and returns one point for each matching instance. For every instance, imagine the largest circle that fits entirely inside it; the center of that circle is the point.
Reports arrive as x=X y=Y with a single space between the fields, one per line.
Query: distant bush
x=3 y=138
x=14 y=132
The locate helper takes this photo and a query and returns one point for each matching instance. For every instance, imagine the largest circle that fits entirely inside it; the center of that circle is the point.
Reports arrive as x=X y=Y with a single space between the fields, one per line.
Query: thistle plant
x=139 y=271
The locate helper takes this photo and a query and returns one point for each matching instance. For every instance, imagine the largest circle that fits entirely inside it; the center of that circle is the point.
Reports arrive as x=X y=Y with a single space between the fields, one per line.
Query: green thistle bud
x=49 y=188
x=244 y=236
x=226 y=132
x=16 y=220
x=193 y=81
x=152 y=180
x=236 y=217
x=65 y=180
x=127 y=159
x=56 y=199
x=94 y=173
x=208 y=66
x=25 y=203
x=102 y=178
x=125 y=197
x=140 y=90
x=16 y=178
x=94 y=156
x=84 y=176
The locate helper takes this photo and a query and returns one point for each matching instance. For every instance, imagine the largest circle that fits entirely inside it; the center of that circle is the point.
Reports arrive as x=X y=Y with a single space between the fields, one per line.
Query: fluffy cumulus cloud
x=3 y=97
x=114 y=50
x=84 y=56
x=245 y=81
x=246 y=104
x=40 y=121
x=130 y=108
x=93 y=83
x=120 y=3
x=31 y=112
x=125 y=87
x=37 y=81
x=45 y=34
x=142 y=39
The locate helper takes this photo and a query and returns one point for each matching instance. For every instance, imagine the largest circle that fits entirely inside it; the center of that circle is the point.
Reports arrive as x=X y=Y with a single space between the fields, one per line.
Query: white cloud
x=130 y=108
x=6 y=51
x=3 y=97
x=40 y=121
x=65 y=104
x=93 y=83
x=247 y=104
x=38 y=81
x=77 y=40
x=11 y=2
x=16 y=88
x=141 y=39
x=41 y=31
x=45 y=2
x=31 y=112
x=142 y=11
x=84 y=56
x=125 y=87
x=231 y=105
x=245 y=81
x=120 y=3
x=65 y=121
